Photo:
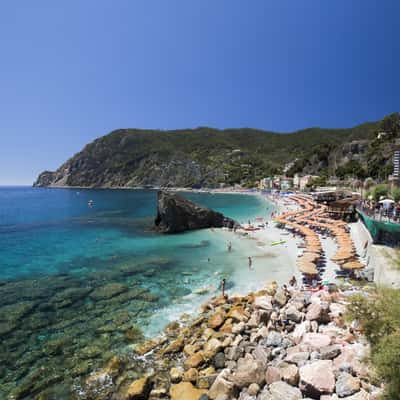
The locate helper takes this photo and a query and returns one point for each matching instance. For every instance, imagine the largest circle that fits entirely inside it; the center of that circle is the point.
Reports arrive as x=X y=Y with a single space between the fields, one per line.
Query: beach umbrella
x=352 y=265
x=308 y=268
x=386 y=201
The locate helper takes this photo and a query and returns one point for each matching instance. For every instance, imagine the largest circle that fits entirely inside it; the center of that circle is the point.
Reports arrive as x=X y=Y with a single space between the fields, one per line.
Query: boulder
x=281 y=390
x=139 y=389
x=316 y=340
x=263 y=302
x=176 y=374
x=293 y=314
x=261 y=353
x=176 y=214
x=289 y=373
x=299 y=358
x=317 y=378
x=248 y=371
x=329 y=352
x=238 y=314
x=185 y=391
x=194 y=360
x=212 y=347
x=191 y=375
x=272 y=375
x=274 y=339
x=280 y=297
x=314 y=312
x=216 y=320
x=346 y=385
x=222 y=386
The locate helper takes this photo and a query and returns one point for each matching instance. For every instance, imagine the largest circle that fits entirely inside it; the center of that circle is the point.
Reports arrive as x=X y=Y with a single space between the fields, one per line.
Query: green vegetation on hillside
x=209 y=157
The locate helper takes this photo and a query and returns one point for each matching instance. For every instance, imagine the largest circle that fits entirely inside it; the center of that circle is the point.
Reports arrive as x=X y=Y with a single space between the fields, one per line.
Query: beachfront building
x=396 y=165
x=296 y=181
x=305 y=180
x=286 y=183
x=266 y=183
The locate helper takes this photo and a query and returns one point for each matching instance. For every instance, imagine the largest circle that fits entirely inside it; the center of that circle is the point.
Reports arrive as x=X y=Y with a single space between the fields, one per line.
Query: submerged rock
x=176 y=214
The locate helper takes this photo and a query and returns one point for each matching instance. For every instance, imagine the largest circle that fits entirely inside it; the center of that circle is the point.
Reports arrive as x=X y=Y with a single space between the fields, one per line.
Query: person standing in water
x=250 y=263
x=223 y=287
x=230 y=246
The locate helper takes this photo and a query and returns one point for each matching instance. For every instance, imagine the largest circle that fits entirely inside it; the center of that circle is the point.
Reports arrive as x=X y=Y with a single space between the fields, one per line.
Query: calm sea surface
x=79 y=283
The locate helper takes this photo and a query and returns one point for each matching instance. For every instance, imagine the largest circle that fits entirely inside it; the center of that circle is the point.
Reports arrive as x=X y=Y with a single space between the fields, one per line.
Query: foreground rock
x=176 y=214
x=268 y=345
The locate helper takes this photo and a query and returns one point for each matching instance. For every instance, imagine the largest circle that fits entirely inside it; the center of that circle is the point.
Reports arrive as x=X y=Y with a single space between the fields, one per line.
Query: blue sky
x=71 y=71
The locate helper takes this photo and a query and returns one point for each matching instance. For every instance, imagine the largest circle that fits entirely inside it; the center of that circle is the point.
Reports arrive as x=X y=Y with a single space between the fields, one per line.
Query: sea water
x=83 y=275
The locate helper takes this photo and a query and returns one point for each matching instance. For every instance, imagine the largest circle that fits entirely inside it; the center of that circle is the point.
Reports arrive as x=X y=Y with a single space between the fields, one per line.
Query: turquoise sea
x=81 y=282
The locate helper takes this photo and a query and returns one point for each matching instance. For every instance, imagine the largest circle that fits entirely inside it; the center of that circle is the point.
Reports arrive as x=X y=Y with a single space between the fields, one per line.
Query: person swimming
x=250 y=262
x=230 y=246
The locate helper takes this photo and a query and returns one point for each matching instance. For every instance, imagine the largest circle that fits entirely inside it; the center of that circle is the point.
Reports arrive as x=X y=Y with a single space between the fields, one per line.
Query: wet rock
x=108 y=291
x=185 y=391
x=134 y=334
x=195 y=360
x=176 y=374
x=191 y=375
x=212 y=347
x=139 y=389
x=219 y=360
x=238 y=314
x=216 y=320
x=177 y=214
x=346 y=385
x=175 y=346
x=317 y=378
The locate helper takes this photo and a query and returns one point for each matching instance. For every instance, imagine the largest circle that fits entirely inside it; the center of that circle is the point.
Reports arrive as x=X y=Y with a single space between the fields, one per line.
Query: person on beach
x=365 y=248
x=293 y=281
x=250 y=262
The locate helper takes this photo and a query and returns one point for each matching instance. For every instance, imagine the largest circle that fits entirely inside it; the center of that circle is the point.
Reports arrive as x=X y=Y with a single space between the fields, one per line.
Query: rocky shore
x=273 y=344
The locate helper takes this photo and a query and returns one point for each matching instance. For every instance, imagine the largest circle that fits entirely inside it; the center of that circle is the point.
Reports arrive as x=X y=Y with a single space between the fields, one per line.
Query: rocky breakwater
x=268 y=345
x=176 y=214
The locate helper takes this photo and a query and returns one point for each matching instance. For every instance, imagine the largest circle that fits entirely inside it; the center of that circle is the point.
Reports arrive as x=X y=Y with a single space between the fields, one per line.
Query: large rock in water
x=176 y=214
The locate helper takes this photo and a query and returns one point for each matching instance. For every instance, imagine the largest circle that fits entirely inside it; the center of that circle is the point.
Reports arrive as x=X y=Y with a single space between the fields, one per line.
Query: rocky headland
x=176 y=214
x=269 y=345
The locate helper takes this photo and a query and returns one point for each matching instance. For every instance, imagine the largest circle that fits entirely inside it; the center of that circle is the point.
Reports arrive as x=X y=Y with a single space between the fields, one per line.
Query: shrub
x=379 y=316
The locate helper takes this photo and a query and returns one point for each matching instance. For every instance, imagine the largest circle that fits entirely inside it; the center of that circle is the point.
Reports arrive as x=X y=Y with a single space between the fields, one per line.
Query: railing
x=381 y=214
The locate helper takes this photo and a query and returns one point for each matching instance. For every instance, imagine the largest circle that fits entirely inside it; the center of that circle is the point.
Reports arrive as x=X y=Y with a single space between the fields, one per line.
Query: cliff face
x=176 y=214
x=206 y=157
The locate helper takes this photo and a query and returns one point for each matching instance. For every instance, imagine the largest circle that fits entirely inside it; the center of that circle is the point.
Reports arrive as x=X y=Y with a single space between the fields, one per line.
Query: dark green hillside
x=203 y=156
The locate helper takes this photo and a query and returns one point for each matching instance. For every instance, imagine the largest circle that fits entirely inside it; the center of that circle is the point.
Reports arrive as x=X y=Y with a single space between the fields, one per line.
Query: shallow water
x=76 y=282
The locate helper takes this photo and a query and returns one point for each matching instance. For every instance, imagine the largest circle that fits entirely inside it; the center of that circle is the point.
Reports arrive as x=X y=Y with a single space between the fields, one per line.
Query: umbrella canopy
x=386 y=201
x=352 y=265
x=308 y=268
